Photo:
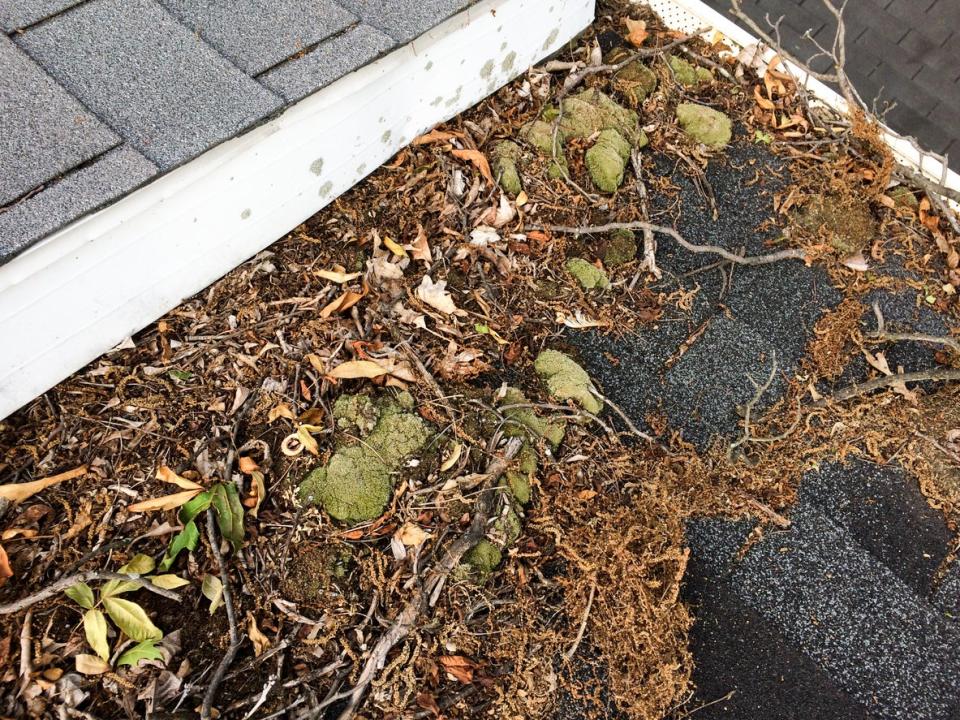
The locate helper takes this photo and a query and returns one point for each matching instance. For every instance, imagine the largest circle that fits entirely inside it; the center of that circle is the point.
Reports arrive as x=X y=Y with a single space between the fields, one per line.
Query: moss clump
x=549 y=142
x=635 y=81
x=687 y=74
x=355 y=412
x=607 y=160
x=587 y=274
x=519 y=480
x=903 y=196
x=523 y=420
x=483 y=558
x=619 y=248
x=847 y=224
x=506 y=155
x=591 y=111
x=705 y=125
x=356 y=484
x=566 y=380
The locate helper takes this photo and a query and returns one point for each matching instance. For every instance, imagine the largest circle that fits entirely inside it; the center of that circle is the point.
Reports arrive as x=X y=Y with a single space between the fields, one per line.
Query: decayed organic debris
x=399 y=490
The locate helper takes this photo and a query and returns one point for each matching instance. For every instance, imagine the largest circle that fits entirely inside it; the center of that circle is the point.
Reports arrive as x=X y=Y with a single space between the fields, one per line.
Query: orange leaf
x=460 y=667
x=167 y=502
x=247 y=464
x=636 y=31
x=478 y=159
x=165 y=474
x=761 y=100
x=587 y=494
x=5 y=570
x=18 y=492
x=435 y=136
x=420 y=248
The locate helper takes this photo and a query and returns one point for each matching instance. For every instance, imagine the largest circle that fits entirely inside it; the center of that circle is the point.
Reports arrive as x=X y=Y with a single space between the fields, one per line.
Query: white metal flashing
x=83 y=290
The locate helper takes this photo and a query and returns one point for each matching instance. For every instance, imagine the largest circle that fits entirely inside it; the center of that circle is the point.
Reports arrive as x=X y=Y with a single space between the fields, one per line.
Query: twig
x=583 y=623
x=759 y=390
x=211 y=695
x=680 y=240
x=26 y=651
x=649 y=262
x=63 y=583
x=626 y=419
x=936 y=375
x=426 y=594
x=881 y=334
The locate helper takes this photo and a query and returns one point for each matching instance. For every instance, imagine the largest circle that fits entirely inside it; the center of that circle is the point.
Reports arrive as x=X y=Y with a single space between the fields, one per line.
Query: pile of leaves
x=237 y=595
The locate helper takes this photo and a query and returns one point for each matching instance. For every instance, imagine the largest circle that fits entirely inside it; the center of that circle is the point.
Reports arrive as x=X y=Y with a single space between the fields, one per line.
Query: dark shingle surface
x=910 y=49
x=16 y=14
x=105 y=179
x=328 y=62
x=258 y=34
x=43 y=130
x=159 y=85
x=403 y=20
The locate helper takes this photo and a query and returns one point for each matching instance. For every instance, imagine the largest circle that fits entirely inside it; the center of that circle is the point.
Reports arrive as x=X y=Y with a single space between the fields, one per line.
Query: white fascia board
x=86 y=288
x=691 y=15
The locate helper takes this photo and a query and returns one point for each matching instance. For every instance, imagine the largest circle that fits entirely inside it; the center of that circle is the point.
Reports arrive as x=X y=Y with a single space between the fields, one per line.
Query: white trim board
x=80 y=292
x=691 y=15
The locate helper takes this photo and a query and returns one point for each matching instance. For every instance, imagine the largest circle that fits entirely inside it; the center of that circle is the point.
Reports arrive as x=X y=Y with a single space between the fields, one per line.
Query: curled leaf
x=18 y=492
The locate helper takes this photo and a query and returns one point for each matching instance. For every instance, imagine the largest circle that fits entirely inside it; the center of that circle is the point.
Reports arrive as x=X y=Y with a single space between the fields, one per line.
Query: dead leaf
x=6 y=572
x=420 y=248
x=452 y=457
x=636 y=31
x=18 y=492
x=479 y=160
x=165 y=474
x=25 y=533
x=247 y=464
x=337 y=276
x=280 y=410
x=394 y=247
x=506 y=212
x=587 y=494
x=91 y=665
x=761 y=100
x=435 y=136
x=261 y=642
x=167 y=502
x=857 y=262
x=435 y=295
x=459 y=667
x=344 y=302
x=411 y=535
x=353 y=369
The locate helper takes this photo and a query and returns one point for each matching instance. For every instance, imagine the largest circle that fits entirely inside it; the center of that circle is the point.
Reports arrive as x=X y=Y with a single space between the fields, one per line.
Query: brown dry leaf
x=478 y=159
x=435 y=295
x=6 y=572
x=307 y=440
x=247 y=464
x=761 y=100
x=435 y=136
x=257 y=493
x=420 y=248
x=25 y=533
x=879 y=362
x=342 y=303
x=459 y=667
x=281 y=410
x=587 y=494
x=91 y=665
x=165 y=474
x=394 y=247
x=636 y=31
x=353 y=369
x=412 y=535
x=18 y=492
x=167 y=502
x=261 y=643
x=337 y=276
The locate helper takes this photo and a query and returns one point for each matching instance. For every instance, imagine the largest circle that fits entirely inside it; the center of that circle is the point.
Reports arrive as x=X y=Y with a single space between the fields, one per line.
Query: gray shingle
x=43 y=131
x=159 y=85
x=330 y=61
x=258 y=34
x=105 y=179
x=403 y=20
x=16 y=14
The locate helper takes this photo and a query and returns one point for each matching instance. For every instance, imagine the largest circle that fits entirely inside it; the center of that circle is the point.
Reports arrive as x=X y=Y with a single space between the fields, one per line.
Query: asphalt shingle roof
x=98 y=96
x=43 y=130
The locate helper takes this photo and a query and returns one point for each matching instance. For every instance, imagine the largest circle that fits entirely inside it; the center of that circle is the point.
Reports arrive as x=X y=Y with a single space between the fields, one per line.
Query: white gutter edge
x=691 y=15
x=86 y=288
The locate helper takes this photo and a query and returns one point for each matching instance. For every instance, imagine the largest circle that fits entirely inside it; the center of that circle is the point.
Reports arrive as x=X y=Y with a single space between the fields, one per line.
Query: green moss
x=903 y=196
x=581 y=119
x=619 y=248
x=587 y=274
x=566 y=380
x=687 y=74
x=519 y=480
x=483 y=558
x=522 y=421
x=549 y=142
x=636 y=81
x=607 y=160
x=355 y=412
x=591 y=111
x=356 y=484
x=353 y=487
x=506 y=155
x=507 y=527
x=705 y=125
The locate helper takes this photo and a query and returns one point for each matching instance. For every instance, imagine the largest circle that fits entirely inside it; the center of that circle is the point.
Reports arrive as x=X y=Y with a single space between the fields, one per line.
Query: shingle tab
x=16 y=14
x=105 y=179
x=258 y=34
x=404 y=20
x=330 y=61
x=43 y=130
x=160 y=86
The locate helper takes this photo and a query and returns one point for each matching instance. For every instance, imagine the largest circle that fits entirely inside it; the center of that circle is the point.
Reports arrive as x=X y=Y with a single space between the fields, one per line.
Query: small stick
x=206 y=709
x=63 y=583
x=26 y=651
x=937 y=375
x=583 y=623
x=680 y=240
x=882 y=334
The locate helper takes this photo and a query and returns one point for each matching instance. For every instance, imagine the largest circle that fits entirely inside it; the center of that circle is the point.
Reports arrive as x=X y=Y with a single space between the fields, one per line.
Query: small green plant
x=225 y=501
x=129 y=618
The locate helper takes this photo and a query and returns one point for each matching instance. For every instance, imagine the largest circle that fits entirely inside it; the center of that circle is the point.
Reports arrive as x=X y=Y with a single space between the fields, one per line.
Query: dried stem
x=63 y=583
x=881 y=334
x=936 y=375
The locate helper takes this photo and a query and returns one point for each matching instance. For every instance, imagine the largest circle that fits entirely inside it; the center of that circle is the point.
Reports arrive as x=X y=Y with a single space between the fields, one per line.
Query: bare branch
x=936 y=375
x=63 y=583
